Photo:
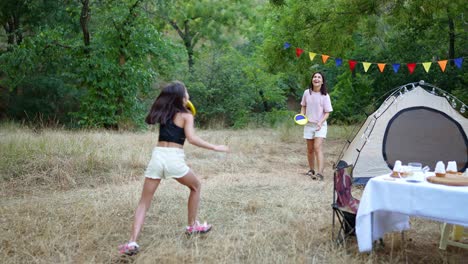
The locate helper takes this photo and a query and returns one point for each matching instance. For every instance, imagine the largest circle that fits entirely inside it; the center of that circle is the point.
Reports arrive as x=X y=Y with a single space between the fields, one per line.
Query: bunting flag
x=427 y=66
x=299 y=52
x=338 y=62
x=325 y=58
x=312 y=55
x=458 y=62
x=352 y=64
x=411 y=66
x=366 y=66
x=381 y=66
x=443 y=64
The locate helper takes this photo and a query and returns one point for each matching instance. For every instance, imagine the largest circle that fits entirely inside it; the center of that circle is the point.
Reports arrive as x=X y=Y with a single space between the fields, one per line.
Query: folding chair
x=453 y=239
x=344 y=204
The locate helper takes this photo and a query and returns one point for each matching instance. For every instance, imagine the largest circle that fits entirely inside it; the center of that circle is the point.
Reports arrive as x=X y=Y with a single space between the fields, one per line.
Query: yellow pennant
x=366 y=66
x=443 y=64
x=325 y=58
x=312 y=55
x=381 y=66
x=427 y=66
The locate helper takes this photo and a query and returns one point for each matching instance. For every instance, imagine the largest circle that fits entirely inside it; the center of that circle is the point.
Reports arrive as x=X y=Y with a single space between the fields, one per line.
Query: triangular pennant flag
x=366 y=66
x=338 y=62
x=443 y=64
x=411 y=66
x=325 y=58
x=312 y=55
x=352 y=64
x=381 y=66
x=396 y=67
x=287 y=45
x=458 y=62
x=299 y=52
x=427 y=66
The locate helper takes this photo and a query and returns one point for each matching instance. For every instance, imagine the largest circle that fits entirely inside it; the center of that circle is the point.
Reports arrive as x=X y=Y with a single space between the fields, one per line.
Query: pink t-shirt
x=316 y=105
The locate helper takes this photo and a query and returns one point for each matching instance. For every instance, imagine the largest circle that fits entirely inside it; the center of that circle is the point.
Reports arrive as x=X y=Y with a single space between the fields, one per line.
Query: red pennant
x=352 y=64
x=299 y=52
x=411 y=67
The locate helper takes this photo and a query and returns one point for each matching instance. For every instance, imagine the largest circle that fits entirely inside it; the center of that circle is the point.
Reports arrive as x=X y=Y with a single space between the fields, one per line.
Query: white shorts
x=167 y=163
x=311 y=133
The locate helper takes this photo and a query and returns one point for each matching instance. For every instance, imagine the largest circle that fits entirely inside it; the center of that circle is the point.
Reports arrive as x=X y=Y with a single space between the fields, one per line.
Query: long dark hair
x=169 y=102
x=323 y=88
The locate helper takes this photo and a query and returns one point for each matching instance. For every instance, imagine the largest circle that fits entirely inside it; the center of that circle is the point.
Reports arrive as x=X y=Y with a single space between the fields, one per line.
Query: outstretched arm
x=196 y=140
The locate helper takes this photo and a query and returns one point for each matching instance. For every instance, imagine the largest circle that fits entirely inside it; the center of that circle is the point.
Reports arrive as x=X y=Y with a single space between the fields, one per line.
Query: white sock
x=133 y=244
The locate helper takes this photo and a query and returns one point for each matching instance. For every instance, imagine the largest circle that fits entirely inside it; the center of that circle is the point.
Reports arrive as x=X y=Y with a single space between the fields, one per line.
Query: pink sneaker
x=198 y=228
x=129 y=249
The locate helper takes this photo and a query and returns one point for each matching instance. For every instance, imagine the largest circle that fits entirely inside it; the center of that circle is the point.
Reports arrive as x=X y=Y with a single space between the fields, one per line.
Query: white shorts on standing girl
x=310 y=131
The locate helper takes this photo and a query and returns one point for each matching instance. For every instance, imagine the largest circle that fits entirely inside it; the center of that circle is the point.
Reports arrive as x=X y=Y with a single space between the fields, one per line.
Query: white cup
x=415 y=166
x=452 y=167
x=397 y=167
x=440 y=169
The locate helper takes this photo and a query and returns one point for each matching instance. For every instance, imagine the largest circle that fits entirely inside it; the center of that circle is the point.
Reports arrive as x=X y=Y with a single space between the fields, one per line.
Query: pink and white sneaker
x=130 y=248
x=198 y=228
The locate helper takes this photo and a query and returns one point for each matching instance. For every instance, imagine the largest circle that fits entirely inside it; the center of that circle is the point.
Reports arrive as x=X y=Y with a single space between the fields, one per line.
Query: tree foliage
x=364 y=30
x=197 y=21
x=99 y=63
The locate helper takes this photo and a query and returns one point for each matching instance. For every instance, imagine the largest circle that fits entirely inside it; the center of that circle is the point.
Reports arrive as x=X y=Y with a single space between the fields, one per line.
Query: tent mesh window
x=423 y=132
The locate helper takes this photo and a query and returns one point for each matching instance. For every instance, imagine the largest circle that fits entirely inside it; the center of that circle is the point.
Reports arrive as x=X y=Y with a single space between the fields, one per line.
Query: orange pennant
x=443 y=64
x=381 y=66
x=325 y=58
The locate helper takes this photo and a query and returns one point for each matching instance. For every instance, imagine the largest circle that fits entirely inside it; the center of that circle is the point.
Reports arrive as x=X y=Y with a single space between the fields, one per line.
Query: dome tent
x=412 y=125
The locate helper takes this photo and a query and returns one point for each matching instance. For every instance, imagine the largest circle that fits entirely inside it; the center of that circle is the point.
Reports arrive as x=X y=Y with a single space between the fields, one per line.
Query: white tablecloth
x=387 y=204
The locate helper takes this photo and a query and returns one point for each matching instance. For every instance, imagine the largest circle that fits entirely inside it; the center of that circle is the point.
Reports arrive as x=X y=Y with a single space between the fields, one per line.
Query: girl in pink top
x=316 y=105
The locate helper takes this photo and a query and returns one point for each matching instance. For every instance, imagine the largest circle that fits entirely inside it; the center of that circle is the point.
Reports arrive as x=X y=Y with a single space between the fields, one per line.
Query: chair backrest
x=343 y=184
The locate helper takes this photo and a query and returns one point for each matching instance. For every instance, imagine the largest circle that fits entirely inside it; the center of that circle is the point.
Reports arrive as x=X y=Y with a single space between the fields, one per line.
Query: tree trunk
x=19 y=35
x=190 y=57
x=122 y=59
x=11 y=28
x=264 y=101
x=187 y=38
x=188 y=44
x=451 y=39
x=84 y=20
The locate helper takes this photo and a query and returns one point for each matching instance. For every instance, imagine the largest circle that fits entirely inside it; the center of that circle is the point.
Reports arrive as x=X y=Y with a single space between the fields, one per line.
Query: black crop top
x=171 y=133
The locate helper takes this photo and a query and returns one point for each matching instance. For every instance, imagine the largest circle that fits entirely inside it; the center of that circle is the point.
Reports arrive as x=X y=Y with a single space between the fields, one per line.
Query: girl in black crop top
x=170 y=132
x=176 y=125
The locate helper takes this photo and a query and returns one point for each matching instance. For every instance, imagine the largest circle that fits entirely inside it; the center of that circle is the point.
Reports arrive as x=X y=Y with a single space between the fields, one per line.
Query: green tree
x=198 y=21
x=122 y=61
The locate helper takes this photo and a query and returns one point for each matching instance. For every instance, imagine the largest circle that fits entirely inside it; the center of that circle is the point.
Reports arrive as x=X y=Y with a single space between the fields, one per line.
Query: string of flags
x=381 y=66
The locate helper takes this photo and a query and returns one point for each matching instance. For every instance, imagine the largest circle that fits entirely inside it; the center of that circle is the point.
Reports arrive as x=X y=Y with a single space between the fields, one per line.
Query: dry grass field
x=69 y=197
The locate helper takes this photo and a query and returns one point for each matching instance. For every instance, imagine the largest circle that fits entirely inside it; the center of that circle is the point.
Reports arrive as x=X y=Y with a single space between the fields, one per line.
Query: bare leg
x=149 y=187
x=319 y=154
x=191 y=181
x=310 y=153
